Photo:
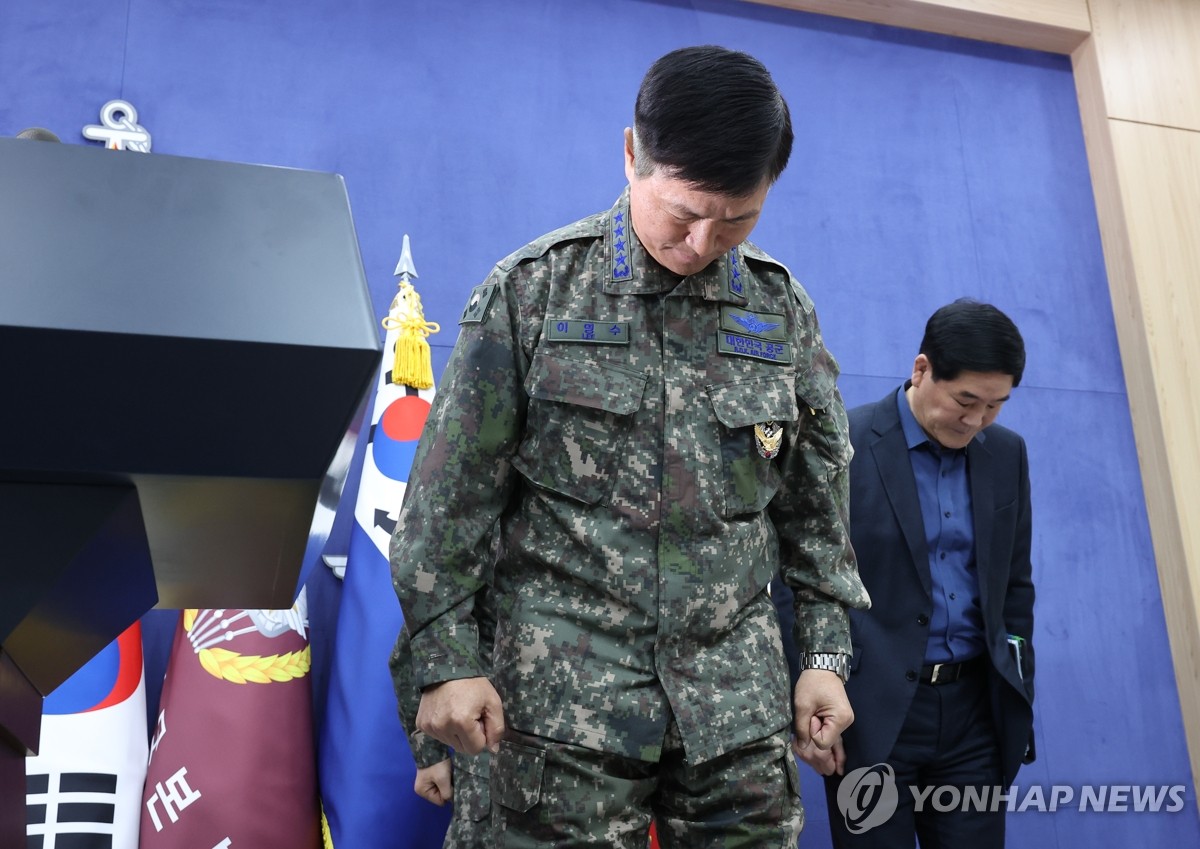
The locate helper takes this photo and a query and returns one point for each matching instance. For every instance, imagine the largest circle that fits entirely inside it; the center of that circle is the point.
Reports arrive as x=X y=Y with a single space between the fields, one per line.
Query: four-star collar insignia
x=620 y=243
x=736 y=287
x=621 y=267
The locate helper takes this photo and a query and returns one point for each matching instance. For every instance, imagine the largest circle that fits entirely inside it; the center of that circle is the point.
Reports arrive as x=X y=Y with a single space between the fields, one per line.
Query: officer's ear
x=630 y=163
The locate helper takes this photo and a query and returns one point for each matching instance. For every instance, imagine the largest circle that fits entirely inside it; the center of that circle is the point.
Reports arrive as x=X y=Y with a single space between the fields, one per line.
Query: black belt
x=948 y=673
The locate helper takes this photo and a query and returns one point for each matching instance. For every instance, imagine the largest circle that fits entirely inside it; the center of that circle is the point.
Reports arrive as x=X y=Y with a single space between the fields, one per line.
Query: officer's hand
x=822 y=713
x=465 y=714
x=433 y=783
x=824 y=761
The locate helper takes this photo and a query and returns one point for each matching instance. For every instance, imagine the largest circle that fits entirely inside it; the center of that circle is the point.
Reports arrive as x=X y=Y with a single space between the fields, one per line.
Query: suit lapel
x=895 y=470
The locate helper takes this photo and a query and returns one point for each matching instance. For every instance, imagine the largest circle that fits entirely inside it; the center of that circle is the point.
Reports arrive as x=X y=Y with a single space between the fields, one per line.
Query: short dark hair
x=714 y=118
x=967 y=335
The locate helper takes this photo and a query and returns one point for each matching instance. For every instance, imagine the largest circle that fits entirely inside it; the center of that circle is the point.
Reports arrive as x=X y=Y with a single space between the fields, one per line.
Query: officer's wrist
x=834 y=662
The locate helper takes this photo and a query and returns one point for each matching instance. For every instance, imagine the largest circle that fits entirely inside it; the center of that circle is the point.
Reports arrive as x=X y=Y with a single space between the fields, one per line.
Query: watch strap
x=830 y=661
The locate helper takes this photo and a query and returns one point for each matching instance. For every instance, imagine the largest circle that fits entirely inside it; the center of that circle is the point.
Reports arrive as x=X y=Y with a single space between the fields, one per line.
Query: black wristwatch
x=832 y=661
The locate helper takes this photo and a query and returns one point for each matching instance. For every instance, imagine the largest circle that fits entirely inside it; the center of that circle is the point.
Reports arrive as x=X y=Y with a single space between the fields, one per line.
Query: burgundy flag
x=232 y=762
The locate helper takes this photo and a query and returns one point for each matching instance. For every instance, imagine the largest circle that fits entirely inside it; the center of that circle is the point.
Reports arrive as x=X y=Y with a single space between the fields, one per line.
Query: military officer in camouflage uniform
x=644 y=402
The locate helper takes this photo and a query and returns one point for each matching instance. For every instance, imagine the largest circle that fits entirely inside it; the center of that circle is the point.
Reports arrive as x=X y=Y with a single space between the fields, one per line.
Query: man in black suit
x=941 y=680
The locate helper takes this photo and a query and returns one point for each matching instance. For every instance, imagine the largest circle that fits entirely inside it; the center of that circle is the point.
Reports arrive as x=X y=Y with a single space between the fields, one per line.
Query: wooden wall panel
x=1143 y=177
x=1056 y=26
x=1150 y=51
x=1159 y=173
x=1142 y=69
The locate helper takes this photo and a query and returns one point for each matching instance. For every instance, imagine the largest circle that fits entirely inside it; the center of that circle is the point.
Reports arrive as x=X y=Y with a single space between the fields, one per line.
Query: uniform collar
x=632 y=271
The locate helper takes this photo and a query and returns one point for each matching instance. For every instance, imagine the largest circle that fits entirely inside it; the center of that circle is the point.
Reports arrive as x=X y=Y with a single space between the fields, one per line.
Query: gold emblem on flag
x=206 y=628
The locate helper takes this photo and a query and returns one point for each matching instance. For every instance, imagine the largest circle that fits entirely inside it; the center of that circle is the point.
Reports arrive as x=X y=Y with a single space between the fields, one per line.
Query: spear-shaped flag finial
x=412 y=365
x=405 y=269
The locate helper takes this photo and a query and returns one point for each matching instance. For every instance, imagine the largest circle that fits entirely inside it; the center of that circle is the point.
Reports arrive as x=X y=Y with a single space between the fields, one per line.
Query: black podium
x=184 y=344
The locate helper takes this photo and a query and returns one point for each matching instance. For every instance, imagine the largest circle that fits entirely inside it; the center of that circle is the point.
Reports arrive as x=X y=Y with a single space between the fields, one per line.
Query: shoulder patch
x=477 y=305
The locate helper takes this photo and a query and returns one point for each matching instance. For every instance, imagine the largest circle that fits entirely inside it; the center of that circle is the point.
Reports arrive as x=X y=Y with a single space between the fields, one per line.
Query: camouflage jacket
x=654 y=449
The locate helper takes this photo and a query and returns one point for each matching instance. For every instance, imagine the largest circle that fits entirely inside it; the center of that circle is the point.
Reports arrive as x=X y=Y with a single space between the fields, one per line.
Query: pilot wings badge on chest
x=753 y=323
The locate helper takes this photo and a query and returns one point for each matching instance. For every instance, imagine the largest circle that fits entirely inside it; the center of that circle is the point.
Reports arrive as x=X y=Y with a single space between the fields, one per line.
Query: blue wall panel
x=925 y=168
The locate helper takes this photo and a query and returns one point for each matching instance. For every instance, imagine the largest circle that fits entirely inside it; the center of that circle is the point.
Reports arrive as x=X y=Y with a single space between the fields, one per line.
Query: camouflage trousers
x=547 y=793
x=471 y=820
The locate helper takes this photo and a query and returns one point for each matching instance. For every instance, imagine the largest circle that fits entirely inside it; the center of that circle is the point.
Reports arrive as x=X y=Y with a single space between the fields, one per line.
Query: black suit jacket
x=889 y=540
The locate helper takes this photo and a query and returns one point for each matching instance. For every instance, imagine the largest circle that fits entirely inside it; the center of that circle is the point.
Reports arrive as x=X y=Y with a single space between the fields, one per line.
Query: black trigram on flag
x=70 y=810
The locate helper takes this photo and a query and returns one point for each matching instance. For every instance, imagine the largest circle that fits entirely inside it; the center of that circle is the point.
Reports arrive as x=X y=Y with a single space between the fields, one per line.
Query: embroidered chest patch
x=740 y=345
x=761 y=335
x=764 y=325
x=586 y=330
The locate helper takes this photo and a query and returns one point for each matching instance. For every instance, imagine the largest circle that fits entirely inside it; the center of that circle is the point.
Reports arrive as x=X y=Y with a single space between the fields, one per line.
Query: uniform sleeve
x=811 y=511
x=459 y=485
x=425 y=750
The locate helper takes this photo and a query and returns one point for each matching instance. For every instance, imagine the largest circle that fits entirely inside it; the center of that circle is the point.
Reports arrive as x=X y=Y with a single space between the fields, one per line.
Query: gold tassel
x=413 y=363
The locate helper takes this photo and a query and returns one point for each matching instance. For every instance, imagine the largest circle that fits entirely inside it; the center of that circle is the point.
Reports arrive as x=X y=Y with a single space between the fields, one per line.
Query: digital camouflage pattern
x=470 y=824
x=605 y=412
x=425 y=750
x=556 y=794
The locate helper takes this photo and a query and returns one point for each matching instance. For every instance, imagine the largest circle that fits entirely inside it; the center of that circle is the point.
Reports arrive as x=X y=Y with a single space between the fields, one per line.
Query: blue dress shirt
x=944 y=490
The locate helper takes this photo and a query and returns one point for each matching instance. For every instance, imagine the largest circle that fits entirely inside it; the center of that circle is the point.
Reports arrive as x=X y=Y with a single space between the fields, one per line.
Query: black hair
x=38 y=134
x=967 y=335
x=714 y=118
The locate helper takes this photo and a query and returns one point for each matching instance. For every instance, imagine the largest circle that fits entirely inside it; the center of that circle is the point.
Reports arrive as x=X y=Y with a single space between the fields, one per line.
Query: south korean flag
x=83 y=789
